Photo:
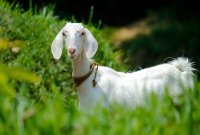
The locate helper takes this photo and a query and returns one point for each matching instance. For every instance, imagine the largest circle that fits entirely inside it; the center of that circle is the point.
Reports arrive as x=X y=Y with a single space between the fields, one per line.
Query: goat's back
x=130 y=88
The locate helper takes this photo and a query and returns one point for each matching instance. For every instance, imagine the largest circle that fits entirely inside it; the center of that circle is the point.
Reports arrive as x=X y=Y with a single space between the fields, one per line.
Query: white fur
x=112 y=86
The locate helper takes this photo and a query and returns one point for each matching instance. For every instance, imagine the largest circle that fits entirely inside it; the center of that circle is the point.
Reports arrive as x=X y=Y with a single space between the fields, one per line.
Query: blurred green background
x=37 y=95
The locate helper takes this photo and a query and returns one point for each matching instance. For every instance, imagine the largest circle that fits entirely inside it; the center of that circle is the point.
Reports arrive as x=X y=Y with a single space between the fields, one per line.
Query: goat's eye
x=82 y=33
x=64 y=34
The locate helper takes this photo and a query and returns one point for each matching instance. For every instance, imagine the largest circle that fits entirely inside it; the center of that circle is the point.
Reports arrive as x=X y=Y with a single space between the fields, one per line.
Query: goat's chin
x=73 y=57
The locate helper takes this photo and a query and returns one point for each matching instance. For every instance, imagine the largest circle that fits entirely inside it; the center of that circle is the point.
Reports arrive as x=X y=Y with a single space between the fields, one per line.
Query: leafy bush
x=35 y=32
x=46 y=103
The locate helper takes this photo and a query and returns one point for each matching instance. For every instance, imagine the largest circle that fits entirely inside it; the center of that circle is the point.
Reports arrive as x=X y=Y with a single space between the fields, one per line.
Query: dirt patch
x=143 y=26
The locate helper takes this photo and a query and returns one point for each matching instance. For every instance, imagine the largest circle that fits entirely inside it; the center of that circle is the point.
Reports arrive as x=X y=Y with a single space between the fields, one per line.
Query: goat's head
x=76 y=39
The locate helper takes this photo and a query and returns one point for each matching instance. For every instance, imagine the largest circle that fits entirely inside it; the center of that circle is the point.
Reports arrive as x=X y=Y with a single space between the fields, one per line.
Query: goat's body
x=125 y=88
x=130 y=88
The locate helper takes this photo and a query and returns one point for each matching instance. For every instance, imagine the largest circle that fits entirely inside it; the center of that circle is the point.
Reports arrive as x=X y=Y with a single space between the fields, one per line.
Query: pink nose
x=71 y=51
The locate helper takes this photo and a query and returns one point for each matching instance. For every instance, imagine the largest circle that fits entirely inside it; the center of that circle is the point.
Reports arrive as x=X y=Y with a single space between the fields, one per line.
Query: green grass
x=35 y=32
x=37 y=95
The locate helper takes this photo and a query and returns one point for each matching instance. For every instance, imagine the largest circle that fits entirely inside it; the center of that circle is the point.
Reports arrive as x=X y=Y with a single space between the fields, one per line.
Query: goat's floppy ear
x=57 y=45
x=91 y=44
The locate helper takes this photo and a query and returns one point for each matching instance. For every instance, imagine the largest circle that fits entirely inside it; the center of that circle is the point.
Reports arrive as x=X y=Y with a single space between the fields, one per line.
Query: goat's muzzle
x=72 y=51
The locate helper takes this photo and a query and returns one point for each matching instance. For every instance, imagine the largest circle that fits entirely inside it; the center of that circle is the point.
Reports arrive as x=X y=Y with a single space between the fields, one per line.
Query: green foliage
x=46 y=102
x=53 y=114
x=36 y=33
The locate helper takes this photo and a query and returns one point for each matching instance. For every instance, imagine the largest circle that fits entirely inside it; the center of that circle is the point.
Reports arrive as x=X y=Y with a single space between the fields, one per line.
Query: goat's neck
x=81 y=65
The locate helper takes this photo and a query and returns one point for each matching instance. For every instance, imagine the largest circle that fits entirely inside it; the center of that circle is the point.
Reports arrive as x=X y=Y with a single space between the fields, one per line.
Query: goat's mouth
x=72 y=57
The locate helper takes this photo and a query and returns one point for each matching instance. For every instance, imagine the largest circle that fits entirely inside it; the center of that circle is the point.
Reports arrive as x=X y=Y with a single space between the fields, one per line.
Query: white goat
x=124 y=88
